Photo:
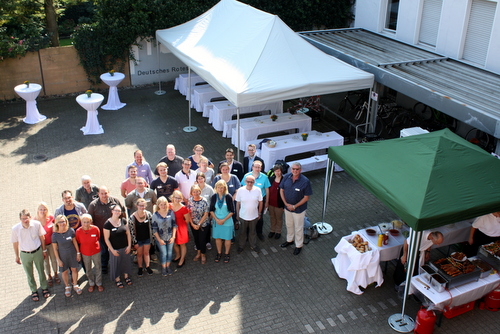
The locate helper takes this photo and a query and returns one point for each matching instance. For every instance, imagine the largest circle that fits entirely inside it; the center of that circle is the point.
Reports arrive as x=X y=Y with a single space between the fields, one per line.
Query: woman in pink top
x=47 y=221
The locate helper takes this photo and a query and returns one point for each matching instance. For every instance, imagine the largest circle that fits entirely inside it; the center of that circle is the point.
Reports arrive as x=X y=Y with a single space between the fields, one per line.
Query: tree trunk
x=51 y=19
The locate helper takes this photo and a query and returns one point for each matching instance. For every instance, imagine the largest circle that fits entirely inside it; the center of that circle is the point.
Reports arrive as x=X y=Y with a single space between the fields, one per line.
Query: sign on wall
x=153 y=65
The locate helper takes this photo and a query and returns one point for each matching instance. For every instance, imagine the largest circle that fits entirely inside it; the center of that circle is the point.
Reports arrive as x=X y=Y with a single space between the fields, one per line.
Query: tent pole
x=400 y=322
x=159 y=91
x=322 y=226
x=189 y=128
x=238 y=133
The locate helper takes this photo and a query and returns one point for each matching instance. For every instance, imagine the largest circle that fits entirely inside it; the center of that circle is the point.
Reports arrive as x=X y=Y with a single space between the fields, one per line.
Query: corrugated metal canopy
x=467 y=93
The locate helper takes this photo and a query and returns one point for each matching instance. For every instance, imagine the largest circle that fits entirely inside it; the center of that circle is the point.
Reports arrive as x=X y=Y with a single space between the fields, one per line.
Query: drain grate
x=40 y=157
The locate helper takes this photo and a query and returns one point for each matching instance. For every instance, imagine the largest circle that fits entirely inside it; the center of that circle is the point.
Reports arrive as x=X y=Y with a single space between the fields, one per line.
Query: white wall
x=370 y=15
x=148 y=70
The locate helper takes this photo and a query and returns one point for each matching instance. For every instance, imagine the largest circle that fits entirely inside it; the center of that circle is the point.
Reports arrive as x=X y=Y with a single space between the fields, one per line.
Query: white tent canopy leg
x=189 y=128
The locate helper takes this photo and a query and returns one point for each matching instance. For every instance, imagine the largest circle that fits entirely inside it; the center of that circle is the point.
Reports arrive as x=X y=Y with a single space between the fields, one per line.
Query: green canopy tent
x=428 y=180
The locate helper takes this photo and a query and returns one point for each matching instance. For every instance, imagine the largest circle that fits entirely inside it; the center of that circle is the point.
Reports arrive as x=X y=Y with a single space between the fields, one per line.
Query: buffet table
x=225 y=111
x=182 y=81
x=250 y=130
x=285 y=147
x=359 y=269
x=112 y=81
x=92 y=127
x=29 y=93
x=458 y=295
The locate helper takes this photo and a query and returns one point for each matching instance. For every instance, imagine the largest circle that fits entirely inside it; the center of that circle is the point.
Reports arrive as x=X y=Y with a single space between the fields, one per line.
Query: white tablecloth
x=92 y=127
x=250 y=130
x=112 y=81
x=225 y=111
x=359 y=269
x=202 y=95
x=29 y=94
x=209 y=106
x=284 y=147
x=458 y=295
x=452 y=233
x=181 y=82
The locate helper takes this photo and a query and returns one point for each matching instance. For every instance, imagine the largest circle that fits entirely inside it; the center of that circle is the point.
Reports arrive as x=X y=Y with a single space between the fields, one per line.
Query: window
x=429 y=24
x=391 y=17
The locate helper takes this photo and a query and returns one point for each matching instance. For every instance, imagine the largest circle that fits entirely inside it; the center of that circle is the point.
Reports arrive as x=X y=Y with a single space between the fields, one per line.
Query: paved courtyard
x=270 y=292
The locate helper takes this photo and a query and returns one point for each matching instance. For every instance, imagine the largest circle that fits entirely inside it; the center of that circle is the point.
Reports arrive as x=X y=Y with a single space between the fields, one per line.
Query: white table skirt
x=202 y=95
x=458 y=295
x=29 y=94
x=92 y=127
x=263 y=124
x=284 y=147
x=112 y=81
x=225 y=111
x=359 y=269
x=181 y=82
x=209 y=106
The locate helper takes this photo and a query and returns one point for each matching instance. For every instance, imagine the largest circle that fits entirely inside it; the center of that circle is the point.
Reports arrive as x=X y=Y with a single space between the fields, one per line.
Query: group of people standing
x=92 y=228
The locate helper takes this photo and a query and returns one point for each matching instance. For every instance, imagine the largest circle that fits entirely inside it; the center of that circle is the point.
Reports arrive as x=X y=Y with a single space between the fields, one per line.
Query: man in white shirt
x=484 y=230
x=248 y=209
x=186 y=177
x=29 y=247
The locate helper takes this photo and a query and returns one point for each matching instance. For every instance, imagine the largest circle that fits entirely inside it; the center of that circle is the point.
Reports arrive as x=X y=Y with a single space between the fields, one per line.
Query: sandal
x=100 y=288
x=197 y=257
x=34 y=296
x=128 y=281
x=57 y=279
x=226 y=258
x=67 y=291
x=91 y=288
x=50 y=282
x=45 y=293
x=77 y=289
x=119 y=284
x=217 y=257
x=203 y=259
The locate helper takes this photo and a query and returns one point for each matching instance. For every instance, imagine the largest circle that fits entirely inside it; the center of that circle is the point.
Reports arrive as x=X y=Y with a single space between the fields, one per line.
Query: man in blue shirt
x=295 y=190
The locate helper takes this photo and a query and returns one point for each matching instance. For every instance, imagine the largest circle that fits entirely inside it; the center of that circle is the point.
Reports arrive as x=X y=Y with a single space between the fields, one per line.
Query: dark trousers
x=200 y=238
x=104 y=255
x=260 y=223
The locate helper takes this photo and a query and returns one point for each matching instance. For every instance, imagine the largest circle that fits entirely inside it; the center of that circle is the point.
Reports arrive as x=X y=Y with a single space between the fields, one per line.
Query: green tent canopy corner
x=428 y=180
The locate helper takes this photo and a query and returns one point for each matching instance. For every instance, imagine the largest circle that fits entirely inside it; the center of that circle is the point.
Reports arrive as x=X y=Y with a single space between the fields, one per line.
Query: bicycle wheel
x=402 y=121
x=480 y=138
x=423 y=111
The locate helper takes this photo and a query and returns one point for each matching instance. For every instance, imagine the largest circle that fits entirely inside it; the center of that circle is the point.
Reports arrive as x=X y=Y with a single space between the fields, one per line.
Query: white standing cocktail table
x=92 y=127
x=112 y=81
x=29 y=93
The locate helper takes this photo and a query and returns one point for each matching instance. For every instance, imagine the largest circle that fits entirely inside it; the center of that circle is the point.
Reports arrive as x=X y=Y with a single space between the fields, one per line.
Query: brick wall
x=58 y=70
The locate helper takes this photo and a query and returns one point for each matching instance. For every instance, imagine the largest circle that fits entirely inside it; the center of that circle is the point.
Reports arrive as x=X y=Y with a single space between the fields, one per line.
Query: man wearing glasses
x=295 y=190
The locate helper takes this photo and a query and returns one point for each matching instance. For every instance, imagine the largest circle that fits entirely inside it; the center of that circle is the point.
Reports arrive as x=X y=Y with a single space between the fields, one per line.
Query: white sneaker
x=209 y=246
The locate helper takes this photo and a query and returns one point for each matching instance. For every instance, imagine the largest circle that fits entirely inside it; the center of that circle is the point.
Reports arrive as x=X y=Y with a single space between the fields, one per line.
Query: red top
x=89 y=240
x=49 y=228
x=182 y=235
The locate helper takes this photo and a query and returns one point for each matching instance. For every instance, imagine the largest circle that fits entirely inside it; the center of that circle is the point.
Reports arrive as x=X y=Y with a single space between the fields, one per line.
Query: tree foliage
x=118 y=25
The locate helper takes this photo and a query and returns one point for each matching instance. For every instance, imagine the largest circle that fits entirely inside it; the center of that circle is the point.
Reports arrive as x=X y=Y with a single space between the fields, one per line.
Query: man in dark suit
x=235 y=167
x=248 y=160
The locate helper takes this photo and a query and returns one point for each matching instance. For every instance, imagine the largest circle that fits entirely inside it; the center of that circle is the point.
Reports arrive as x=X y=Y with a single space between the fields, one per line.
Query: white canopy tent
x=252 y=57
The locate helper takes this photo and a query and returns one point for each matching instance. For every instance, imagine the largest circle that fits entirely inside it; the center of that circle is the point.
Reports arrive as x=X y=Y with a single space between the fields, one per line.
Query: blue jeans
x=166 y=252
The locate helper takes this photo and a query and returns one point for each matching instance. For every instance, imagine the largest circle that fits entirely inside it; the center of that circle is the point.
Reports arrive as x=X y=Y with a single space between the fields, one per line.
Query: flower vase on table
x=304 y=136
x=274 y=118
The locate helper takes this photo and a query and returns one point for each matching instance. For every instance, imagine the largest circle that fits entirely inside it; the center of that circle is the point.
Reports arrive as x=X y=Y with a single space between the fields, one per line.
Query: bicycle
x=433 y=119
x=347 y=104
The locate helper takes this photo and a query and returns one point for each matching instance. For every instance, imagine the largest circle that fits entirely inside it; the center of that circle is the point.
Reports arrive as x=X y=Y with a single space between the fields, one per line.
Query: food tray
x=426 y=271
x=485 y=273
x=491 y=259
x=438 y=282
x=461 y=279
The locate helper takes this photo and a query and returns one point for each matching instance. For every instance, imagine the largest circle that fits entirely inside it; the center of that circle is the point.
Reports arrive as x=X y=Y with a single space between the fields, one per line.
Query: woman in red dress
x=182 y=218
